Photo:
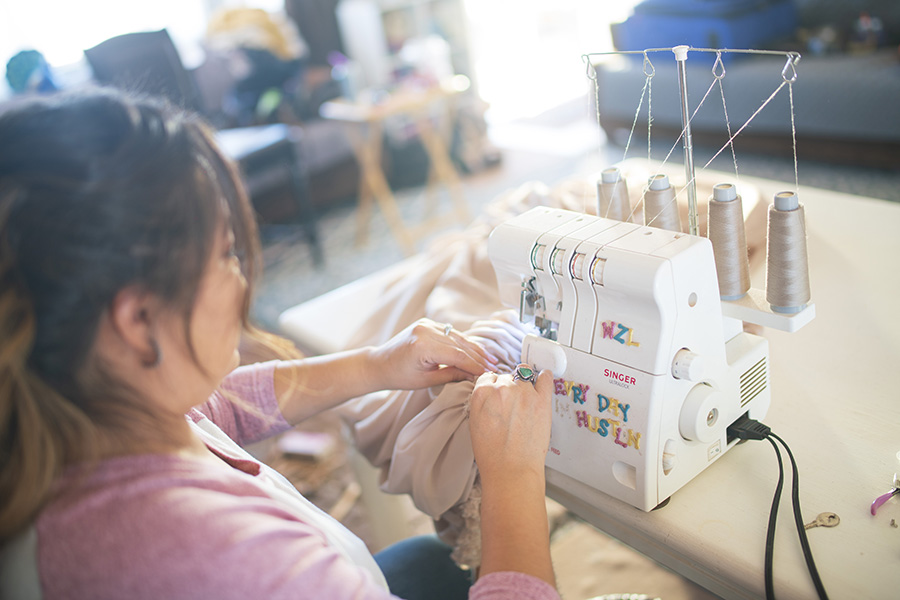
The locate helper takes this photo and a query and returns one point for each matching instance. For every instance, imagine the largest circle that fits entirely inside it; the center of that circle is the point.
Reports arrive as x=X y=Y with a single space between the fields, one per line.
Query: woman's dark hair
x=98 y=191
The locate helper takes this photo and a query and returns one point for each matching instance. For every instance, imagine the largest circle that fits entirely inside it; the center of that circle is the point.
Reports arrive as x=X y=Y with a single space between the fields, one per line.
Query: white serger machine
x=648 y=370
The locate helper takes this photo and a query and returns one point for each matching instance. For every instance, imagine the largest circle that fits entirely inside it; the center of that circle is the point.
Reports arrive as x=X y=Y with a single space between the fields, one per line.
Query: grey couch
x=847 y=107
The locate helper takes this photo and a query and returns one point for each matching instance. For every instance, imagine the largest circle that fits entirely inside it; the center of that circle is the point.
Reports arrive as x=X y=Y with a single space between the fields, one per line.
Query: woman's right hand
x=510 y=425
x=509 y=421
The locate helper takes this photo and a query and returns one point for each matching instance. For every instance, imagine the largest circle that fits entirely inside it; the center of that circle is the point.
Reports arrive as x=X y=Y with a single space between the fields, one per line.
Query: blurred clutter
x=265 y=56
x=27 y=71
x=264 y=67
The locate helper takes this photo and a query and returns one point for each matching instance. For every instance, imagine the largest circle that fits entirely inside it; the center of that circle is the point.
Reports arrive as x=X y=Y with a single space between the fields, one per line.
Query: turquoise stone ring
x=523 y=373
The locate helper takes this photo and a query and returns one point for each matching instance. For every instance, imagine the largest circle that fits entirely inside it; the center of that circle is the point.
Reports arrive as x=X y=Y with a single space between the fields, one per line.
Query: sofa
x=845 y=96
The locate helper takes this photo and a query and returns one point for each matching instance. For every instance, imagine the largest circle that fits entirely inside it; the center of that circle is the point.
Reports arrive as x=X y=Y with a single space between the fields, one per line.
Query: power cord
x=746 y=428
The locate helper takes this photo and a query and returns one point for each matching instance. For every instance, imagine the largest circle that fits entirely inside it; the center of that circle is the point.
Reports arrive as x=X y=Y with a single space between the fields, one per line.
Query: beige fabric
x=420 y=440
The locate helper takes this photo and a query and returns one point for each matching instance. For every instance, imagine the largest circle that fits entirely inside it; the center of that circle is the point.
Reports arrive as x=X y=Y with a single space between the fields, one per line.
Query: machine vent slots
x=753 y=381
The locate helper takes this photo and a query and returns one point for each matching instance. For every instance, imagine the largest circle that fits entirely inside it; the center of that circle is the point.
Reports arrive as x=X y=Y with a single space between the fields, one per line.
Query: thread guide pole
x=681 y=53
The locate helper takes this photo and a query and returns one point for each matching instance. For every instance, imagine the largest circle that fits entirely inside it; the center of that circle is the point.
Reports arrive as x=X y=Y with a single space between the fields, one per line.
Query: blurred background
x=523 y=56
x=529 y=45
x=534 y=108
x=528 y=106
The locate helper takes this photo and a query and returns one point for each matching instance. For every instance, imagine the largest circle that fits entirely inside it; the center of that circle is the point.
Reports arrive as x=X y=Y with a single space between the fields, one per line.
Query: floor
x=554 y=146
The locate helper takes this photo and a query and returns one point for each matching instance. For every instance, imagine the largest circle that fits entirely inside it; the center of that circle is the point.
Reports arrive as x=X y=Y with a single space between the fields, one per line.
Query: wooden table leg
x=431 y=193
x=364 y=206
x=374 y=184
x=443 y=168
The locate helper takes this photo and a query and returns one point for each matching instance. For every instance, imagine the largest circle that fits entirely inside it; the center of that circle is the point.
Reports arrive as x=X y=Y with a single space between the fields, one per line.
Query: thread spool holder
x=753 y=306
x=788 y=74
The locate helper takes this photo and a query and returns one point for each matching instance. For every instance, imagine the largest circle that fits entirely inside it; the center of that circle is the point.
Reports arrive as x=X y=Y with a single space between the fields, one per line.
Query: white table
x=835 y=400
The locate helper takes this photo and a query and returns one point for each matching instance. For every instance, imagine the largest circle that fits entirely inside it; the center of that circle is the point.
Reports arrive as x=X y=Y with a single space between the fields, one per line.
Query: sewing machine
x=650 y=366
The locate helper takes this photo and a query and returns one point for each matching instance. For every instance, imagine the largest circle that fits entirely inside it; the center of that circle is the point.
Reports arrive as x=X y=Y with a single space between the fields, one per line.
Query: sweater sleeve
x=245 y=406
x=511 y=585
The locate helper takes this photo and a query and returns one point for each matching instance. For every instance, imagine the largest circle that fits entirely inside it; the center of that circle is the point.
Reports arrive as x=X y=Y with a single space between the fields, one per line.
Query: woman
x=126 y=247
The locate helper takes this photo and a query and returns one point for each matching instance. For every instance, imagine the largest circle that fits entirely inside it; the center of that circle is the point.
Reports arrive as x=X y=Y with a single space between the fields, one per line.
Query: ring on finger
x=448 y=328
x=523 y=372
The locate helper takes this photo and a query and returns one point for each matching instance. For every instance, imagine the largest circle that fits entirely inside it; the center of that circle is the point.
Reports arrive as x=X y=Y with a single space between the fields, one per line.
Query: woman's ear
x=132 y=315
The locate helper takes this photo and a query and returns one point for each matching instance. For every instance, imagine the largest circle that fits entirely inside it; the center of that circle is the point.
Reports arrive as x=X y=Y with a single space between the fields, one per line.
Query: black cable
x=770 y=532
x=798 y=520
x=748 y=429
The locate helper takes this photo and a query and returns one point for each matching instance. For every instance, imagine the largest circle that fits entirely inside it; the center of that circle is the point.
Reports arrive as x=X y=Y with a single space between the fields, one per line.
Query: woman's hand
x=501 y=336
x=420 y=356
x=510 y=425
x=426 y=354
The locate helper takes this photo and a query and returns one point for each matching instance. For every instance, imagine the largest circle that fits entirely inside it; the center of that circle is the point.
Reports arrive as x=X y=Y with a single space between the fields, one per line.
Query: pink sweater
x=165 y=526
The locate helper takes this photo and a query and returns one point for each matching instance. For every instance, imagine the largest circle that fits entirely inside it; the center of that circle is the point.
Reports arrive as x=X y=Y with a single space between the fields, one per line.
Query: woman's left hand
x=426 y=354
x=501 y=336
